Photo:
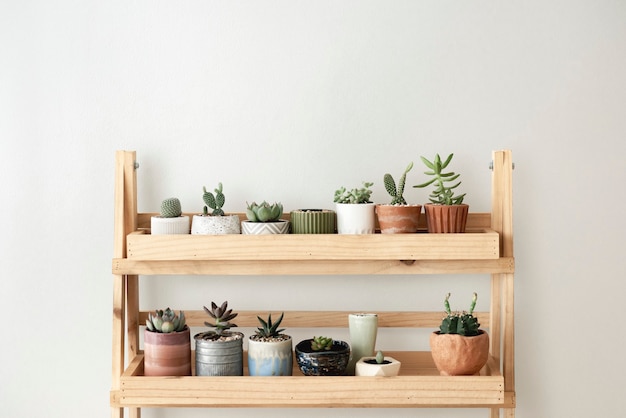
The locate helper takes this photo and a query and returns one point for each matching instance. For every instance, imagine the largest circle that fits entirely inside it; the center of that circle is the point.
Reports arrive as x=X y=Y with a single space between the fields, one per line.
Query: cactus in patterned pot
x=321 y=343
x=215 y=202
x=264 y=212
x=460 y=322
x=170 y=208
x=396 y=193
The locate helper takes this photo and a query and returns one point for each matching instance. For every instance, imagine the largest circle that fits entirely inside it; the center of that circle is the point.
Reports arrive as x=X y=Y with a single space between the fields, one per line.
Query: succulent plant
x=166 y=321
x=222 y=317
x=462 y=323
x=390 y=186
x=264 y=212
x=362 y=195
x=321 y=343
x=269 y=329
x=215 y=202
x=170 y=208
x=443 y=195
x=380 y=357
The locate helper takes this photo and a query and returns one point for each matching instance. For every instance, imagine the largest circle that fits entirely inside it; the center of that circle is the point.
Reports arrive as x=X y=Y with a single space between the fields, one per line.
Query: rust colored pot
x=446 y=218
x=167 y=354
x=400 y=219
x=457 y=355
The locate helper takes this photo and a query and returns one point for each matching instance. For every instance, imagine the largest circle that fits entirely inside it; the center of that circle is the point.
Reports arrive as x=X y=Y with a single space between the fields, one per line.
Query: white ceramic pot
x=365 y=368
x=264 y=228
x=356 y=218
x=215 y=225
x=169 y=226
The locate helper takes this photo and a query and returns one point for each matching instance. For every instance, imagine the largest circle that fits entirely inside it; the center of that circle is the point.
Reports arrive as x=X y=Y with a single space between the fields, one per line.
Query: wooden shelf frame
x=486 y=248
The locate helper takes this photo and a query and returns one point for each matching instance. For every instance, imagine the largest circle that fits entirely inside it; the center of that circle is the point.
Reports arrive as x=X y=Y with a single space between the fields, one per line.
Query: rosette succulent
x=264 y=212
x=166 y=321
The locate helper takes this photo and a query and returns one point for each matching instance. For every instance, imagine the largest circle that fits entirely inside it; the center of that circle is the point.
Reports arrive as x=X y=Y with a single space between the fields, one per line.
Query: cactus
x=222 y=317
x=443 y=195
x=166 y=321
x=321 y=343
x=170 y=208
x=390 y=186
x=462 y=323
x=264 y=212
x=215 y=202
x=269 y=329
x=362 y=195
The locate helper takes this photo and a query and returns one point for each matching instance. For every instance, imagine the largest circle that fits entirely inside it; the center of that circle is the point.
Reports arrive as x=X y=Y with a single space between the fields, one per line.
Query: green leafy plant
x=460 y=322
x=396 y=193
x=166 y=321
x=442 y=194
x=321 y=343
x=170 y=208
x=269 y=329
x=264 y=212
x=221 y=316
x=360 y=195
x=215 y=202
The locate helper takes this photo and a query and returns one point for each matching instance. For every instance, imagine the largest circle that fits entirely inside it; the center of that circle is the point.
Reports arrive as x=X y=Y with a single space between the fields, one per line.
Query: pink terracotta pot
x=446 y=218
x=167 y=354
x=401 y=219
x=457 y=355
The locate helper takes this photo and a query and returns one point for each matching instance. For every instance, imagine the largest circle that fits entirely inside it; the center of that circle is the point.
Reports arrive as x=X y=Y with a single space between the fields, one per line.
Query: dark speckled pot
x=323 y=363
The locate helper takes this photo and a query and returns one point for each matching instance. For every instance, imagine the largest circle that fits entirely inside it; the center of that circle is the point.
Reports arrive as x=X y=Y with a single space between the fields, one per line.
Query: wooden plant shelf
x=486 y=248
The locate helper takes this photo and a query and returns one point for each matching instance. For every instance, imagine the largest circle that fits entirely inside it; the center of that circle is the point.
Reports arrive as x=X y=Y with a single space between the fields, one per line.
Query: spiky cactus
x=170 y=208
x=269 y=329
x=443 y=195
x=321 y=343
x=462 y=323
x=356 y=195
x=215 y=202
x=221 y=316
x=166 y=321
x=390 y=185
x=264 y=212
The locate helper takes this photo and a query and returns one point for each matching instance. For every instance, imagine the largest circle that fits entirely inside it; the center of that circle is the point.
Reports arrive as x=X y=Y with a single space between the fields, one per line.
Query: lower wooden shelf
x=419 y=385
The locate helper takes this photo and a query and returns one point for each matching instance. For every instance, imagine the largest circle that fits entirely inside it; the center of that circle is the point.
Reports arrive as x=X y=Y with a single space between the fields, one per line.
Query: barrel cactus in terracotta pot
x=460 y=347
x=398 y=216
x=167 y=347
x=446 y=211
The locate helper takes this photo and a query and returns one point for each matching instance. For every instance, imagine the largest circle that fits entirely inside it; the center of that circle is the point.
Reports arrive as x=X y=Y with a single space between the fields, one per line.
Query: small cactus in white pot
x=171 y=220
x=217 y=222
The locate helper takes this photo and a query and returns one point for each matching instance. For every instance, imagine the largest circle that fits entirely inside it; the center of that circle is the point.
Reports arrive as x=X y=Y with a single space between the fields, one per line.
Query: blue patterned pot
x=323 y=363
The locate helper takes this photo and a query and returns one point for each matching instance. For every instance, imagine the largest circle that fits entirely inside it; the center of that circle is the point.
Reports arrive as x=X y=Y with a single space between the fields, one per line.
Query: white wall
x=288 y=100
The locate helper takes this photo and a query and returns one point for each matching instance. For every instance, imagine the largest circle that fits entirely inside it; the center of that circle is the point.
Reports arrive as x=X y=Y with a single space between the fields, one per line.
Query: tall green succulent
x=356 y=195
x=321 y=343
x=166 y=321
x=264 y=212
x=170 y=208
x=443 y=194
x=221 y=316
x=215 y=202
x=269 y=329
x=462 y=323
x=390 y=186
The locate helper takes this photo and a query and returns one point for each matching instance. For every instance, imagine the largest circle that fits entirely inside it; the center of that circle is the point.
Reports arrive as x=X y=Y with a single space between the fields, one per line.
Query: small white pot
x=264 y=228
x=356 y=218
x=169 y=226
x=367 y=369
x=215 y=225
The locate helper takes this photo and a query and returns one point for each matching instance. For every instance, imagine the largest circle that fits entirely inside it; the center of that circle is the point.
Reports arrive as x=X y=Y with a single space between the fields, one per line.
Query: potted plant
x=397 y=217
x=167 y=347
x=355 y=211
x=270 y=351
x=459 y=347
x=216 y=223
x=446 y=212
x=264 y=219
x=313 y=221
x=322 y=356
x=377 y=366
x=171 y=220
x=219 y=352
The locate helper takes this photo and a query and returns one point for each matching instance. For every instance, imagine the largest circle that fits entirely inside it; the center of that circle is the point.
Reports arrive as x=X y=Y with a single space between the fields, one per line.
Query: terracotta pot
x=458 y=355
x=398 y=219
x=446 y=218
x=167 y=354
